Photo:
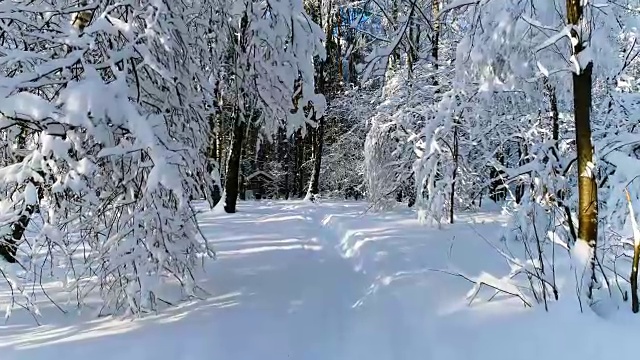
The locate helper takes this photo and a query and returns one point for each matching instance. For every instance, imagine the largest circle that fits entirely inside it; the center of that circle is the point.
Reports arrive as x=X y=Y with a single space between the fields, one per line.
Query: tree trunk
x=318 y=144
x=452 y=196
x=221 y=146
x=633 y=279
x=587 y=187
x=521 y=186
x=435 y=42
x=233 y=166
x=411 y=53
x=555 y=114
x=213 y=162
x=338 y=21
x=9 y=243
x=283 y=150
x=497 y=191
x=555 y=133
x=317 y=141
x=299 y=186
x=635 y=307
x=395 y=56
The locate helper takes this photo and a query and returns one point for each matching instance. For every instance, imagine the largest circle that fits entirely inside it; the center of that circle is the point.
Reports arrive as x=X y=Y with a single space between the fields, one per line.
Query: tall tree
x=272 y=63
x=582 y=83
x=324 y=14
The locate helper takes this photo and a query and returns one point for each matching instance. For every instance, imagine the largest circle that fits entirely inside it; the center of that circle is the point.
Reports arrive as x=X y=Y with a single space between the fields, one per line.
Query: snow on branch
x=109 y=125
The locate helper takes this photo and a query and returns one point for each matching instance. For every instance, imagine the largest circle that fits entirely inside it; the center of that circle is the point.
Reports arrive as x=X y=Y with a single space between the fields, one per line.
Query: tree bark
x=221 y=146
x=283 y=150
x=587 y=186
x=454 y=175
x=318 y=144
x=635 y=307
x=395 y=56
x=411 y=53
x=520 y=185
x=496 y=187
x=555 y=114
x=435 y=42
x=633 y=279
x=233 y=166
x=9 y=243
x=338 y=21
x=299 y=170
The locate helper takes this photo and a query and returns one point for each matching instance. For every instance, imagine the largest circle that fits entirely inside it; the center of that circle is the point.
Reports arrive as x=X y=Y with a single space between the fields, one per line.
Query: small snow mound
x=581 y=255
x=219 y=208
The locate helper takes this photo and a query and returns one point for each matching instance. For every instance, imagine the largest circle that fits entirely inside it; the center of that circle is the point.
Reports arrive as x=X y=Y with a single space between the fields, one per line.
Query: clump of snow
x=582 y=255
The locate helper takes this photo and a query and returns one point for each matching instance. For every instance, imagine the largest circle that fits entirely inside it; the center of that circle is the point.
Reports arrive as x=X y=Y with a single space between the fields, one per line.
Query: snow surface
x=330 y=281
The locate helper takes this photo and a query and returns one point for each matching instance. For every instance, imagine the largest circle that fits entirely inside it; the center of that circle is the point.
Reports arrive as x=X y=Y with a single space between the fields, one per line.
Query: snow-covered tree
x=110 y=106
x=270 y=74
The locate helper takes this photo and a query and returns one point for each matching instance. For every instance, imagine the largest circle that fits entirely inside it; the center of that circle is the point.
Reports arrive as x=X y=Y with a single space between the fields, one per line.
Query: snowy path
x=296 y=291
x=306 y=282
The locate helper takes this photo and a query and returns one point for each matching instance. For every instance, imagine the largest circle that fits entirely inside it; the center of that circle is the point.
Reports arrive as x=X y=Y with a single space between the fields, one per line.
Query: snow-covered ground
x=333 y=282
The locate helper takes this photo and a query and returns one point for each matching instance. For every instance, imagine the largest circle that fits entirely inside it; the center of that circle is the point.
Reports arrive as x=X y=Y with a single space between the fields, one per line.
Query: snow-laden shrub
x=112 y=124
